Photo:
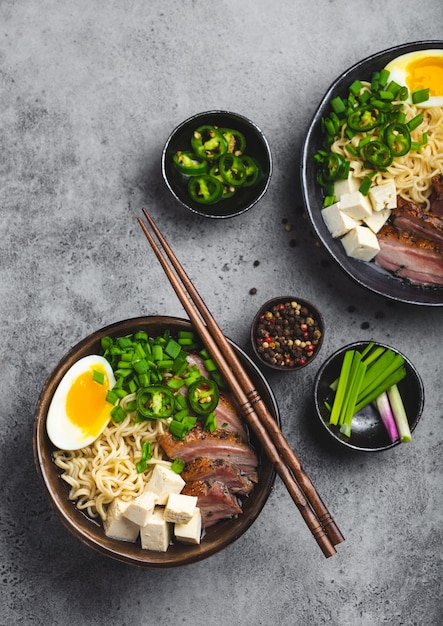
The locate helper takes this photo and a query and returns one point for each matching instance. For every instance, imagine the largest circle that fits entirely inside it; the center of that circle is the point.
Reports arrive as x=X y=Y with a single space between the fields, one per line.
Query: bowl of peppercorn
x=287 y=333
x=217 y=164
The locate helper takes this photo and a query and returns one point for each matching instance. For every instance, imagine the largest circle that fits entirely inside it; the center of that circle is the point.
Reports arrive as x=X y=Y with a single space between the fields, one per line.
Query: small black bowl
x=256 y=146
x=368 y=433
x=293 y=331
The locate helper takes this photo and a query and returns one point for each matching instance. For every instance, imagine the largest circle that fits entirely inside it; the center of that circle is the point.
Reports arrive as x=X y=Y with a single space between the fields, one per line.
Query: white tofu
x=190 y=532
x=361 y=243
x=157 y=533
x=141 y=508
x=337 y=222
x=347 y=185
x=179 y=508
x=356 y=205
x=116 y=525
x=163 y=482
x=383 y=196
x=376 y=220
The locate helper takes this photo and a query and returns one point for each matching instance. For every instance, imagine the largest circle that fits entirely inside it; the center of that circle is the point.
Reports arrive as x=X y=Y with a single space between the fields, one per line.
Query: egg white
x=398 y=69
x=61 y=431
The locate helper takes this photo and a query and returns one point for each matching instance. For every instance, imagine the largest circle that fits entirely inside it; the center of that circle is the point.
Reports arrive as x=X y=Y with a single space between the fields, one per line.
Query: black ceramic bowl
x=365 y=274
x=90 y=532
x=256 y=146
x=368 y=432
x=305 y=326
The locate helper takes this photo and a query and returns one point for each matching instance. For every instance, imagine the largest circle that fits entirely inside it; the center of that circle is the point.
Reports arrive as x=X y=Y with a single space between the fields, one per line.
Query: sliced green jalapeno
x=365 y=118
x=377 y=154
x=236 y=142
x=232 y=169
x=208 y=142
x=189 y=163
x=203 y=396
x=398 y=138
x=253 y=171
x=154 y=402
x=333 y=167
x=205 y=189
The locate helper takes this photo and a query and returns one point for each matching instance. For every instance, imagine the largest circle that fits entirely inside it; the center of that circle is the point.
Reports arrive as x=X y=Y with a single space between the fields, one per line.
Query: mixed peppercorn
x=287 y=334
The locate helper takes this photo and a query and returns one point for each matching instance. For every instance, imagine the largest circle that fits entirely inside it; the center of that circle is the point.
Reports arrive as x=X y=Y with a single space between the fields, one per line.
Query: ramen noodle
x=106 y=469
x=411 y=173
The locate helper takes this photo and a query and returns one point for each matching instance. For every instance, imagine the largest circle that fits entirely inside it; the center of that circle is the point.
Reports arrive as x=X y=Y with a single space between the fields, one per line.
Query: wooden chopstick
x=276 y=447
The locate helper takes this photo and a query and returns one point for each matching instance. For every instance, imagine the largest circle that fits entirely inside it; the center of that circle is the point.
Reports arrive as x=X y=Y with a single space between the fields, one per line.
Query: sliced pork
x=416 y=259
x=436 y=198
x=217 y=445
x=219 y=470
x=408 y=216
x=228 y=415
x=215 y=501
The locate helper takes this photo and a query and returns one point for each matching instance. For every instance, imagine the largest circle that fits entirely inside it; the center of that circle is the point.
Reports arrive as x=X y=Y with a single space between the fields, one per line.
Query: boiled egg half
x=79 y=411
x=420 y=70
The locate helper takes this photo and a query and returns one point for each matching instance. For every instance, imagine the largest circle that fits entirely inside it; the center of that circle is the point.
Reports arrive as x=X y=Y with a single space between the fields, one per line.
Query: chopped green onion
x=178 y=465
x=118 y=414
x=98 y=377
x=421 y=95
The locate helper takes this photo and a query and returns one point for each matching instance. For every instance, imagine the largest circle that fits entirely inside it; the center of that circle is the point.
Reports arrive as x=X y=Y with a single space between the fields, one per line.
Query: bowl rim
x=271 y=302
x=359 y=344
x=394 y=288
x=122 y=551
x=245 y=120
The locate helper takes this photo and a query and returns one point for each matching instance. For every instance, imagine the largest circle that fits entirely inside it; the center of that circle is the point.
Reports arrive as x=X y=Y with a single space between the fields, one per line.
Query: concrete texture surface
x=89 y=93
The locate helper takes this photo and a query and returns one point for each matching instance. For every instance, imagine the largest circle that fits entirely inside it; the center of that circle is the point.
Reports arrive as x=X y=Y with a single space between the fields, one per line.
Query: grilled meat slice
x=219 y=470
x=215 y=501
x=409 y=216
x=418 y=260
x=220 y=444
x=228 y=415
x=436 y=198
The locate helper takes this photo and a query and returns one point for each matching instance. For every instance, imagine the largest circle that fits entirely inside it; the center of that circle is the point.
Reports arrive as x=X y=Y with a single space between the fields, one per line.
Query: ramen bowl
x=367 y=275
x=90 y=532
x=236 y=199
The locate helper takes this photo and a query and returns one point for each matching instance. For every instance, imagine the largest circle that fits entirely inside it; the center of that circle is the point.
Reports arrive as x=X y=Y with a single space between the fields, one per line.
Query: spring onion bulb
x=384 y=408
x=399 y=413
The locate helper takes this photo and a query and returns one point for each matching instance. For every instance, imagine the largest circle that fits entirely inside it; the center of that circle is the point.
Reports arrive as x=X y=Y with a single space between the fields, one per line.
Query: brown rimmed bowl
x=257 y=146
x=368 y=433
x=263 y=354
x=90 y=532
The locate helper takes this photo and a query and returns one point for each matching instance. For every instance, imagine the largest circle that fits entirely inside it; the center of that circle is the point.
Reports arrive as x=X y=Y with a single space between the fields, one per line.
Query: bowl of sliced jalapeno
x=217 y=164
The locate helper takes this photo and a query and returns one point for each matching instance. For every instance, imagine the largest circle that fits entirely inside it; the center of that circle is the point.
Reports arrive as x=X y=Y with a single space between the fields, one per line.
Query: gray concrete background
x=89 y=93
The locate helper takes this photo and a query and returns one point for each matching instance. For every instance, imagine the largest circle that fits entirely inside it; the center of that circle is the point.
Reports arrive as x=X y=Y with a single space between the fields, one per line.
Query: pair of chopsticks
x=255 y=411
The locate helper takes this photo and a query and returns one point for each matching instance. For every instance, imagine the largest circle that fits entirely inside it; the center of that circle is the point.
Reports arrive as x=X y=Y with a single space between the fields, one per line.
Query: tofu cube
x=376 y=220
x=163 y=482
x=361 y=243
x=337 y=222
x=179 y=508
x=117 y=525
x=190 y=532
x=347 y=185
x=141 y=508
x=157 y=533
x=383 y=196
x=356 y=205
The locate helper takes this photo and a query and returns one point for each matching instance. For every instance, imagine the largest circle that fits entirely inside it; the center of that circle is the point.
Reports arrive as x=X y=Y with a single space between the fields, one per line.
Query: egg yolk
x=424 y=73
x=86 y=405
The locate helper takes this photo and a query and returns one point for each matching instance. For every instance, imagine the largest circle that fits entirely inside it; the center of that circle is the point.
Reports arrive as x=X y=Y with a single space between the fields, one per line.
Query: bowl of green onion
x=368 y=397
x=217 y=164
